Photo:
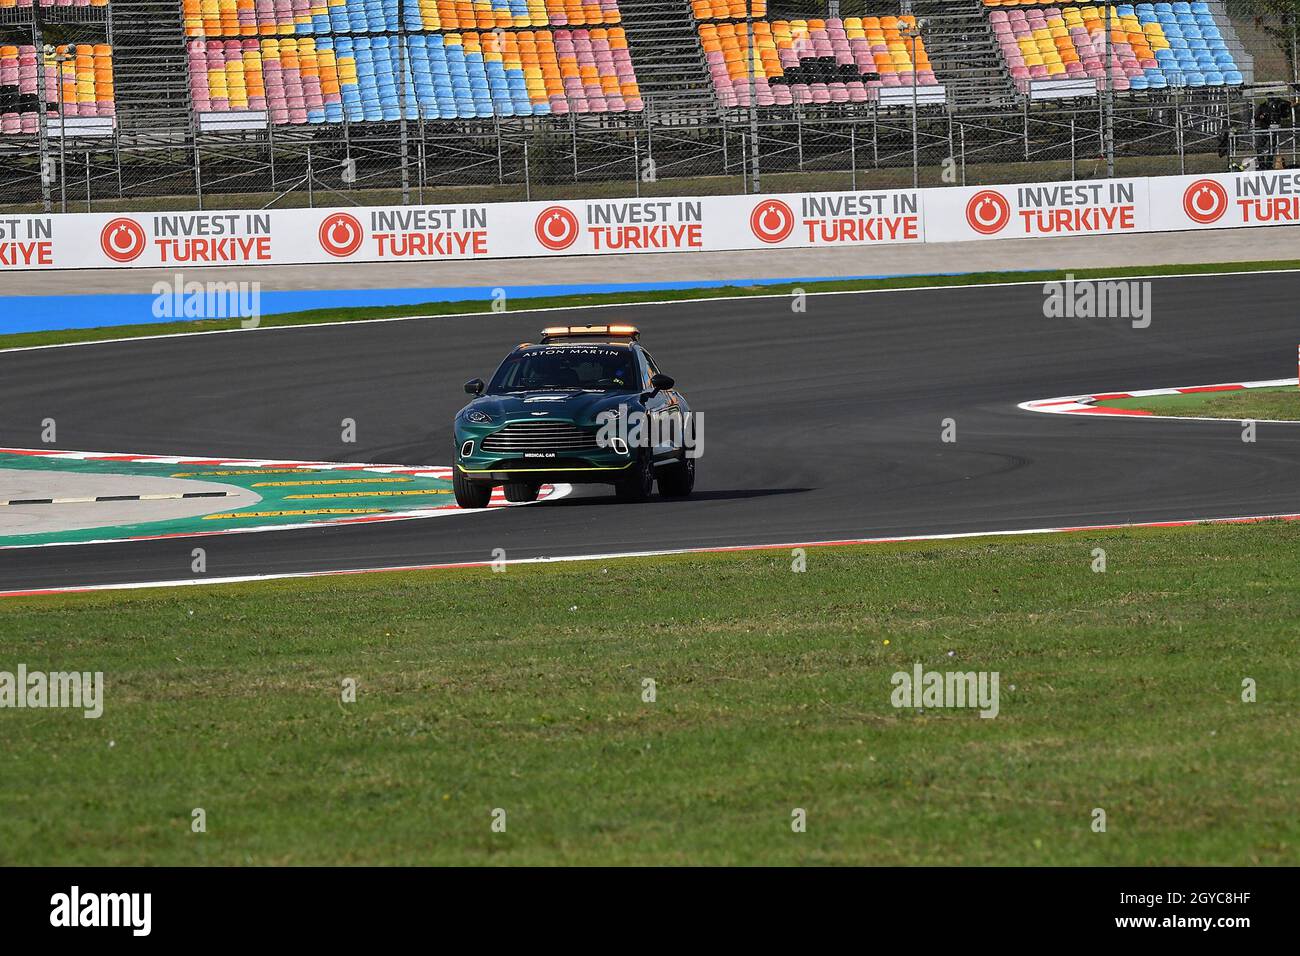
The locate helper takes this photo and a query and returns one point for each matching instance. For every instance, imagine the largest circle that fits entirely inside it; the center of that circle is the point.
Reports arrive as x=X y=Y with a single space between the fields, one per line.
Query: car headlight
x=477 y=417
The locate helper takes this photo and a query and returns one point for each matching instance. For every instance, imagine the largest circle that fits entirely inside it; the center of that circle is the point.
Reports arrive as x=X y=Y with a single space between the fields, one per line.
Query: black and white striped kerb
x=81 y=501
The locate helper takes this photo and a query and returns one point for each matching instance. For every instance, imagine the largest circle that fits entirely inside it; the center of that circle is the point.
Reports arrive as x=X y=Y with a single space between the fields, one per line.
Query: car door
x=664 y=413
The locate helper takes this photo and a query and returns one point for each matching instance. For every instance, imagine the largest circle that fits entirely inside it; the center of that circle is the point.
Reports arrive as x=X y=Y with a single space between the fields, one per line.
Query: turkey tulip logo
x=1205 y=201
x=988 y=212
x=772 y=221
x=341 y=235
x=122 y=240
x=556 y=228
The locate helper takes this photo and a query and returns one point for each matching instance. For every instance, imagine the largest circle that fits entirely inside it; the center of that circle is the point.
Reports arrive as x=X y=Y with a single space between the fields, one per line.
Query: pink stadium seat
x=83 y=82
x=790 y=56
x=347 y=66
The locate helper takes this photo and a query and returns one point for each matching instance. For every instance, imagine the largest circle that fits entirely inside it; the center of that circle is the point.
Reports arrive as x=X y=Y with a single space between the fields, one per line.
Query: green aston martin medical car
x=586 y=405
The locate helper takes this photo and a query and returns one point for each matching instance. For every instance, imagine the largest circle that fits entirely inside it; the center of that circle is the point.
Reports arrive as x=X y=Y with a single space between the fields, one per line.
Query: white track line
x=849 y=542
x=657 y=302
x=562 y=490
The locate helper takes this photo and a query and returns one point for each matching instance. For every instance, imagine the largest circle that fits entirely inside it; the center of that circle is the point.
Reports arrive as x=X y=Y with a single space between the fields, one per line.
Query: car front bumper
x=580 y=475
x=574 y=466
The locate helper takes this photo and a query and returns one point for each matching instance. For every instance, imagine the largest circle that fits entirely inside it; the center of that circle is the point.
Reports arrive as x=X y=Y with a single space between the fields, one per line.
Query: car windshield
x=590 y=368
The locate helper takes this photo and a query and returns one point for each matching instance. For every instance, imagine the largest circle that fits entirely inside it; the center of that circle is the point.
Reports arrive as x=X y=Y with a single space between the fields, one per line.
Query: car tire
x=518 y=492
x=678 y=479
x=640 y=482
x=470 y=494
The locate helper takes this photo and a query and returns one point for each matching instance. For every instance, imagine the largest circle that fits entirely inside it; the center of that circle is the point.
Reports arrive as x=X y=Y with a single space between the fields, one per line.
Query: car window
x=596 y=367
x=649 y=366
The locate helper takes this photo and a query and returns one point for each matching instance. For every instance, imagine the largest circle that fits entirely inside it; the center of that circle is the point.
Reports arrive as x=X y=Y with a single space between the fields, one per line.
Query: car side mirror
x=658 y=383
x=474 y=386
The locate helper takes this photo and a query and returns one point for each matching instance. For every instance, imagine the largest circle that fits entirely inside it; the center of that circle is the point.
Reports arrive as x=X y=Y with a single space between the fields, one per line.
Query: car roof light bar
x=571 y=331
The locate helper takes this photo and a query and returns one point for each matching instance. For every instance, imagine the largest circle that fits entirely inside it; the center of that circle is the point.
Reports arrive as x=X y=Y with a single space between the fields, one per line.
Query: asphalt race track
x=818 y=425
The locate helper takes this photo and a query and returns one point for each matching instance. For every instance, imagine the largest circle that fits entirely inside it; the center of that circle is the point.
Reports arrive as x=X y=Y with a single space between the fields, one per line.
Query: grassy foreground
x=523 y=691
x=316 y=316
x=1256 y=404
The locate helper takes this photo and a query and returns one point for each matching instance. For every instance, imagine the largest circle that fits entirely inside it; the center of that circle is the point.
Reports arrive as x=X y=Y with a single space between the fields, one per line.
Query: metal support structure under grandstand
x=649 y=153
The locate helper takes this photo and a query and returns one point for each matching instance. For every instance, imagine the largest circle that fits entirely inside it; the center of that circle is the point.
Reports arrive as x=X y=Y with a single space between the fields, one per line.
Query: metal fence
x=652 y=153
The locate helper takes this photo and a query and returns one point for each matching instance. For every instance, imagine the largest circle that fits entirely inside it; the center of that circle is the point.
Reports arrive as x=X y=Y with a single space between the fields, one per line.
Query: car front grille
x=519 y=437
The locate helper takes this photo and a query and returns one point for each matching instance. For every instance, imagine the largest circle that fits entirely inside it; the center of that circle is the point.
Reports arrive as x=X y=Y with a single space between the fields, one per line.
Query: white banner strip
x=621 y=226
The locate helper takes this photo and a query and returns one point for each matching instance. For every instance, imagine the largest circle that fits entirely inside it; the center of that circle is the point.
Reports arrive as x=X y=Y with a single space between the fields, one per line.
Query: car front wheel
x=678 y=479
x=518 y=492
x=470 y=494
x=640 y=480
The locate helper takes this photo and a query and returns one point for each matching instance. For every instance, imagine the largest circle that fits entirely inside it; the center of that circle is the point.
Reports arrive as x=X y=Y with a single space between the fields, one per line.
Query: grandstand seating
x=727 y=9
x=450 y=76
x=1153 y=45
x=807 y=61
x=231 y=18
x=18 y=4
x=466 y=59
x=87 y=85
x=330 y=61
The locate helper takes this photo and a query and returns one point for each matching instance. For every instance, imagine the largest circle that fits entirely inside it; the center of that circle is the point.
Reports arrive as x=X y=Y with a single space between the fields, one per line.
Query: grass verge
x=1258 y=404
x=315 y=316
x=524 y=691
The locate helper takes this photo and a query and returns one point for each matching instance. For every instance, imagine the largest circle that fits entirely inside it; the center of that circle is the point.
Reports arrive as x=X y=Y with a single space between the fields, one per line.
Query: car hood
x=581 y=408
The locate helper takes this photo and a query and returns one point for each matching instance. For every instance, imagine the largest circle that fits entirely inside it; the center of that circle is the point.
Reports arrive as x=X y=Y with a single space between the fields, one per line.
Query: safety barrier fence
x=672 y=224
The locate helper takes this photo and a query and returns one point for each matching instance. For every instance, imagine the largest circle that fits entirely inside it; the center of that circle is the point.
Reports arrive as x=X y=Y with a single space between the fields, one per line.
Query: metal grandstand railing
x=571 y=158
x=681 y=142
x=670 y=67
x=965 y=57
x=153 y=102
